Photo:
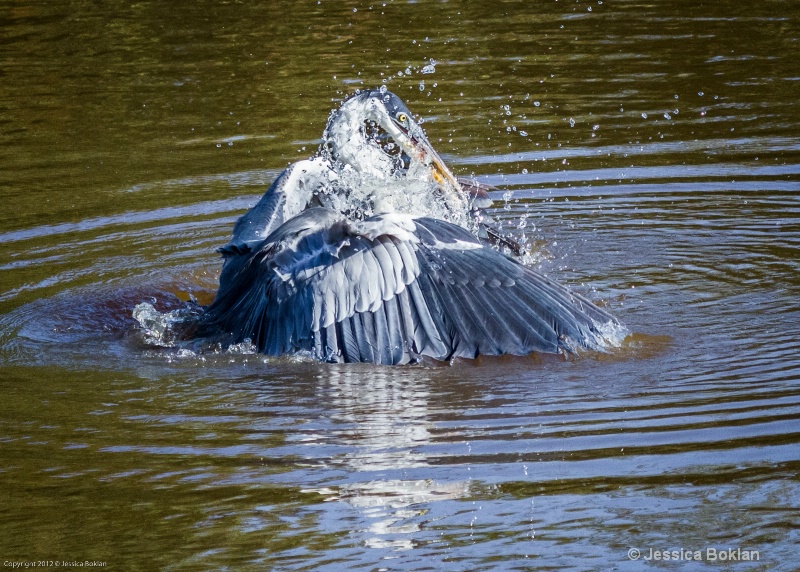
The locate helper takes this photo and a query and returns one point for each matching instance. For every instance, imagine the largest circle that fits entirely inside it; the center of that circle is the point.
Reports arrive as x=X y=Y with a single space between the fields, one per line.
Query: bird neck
x=300 y=182
x=286 y=198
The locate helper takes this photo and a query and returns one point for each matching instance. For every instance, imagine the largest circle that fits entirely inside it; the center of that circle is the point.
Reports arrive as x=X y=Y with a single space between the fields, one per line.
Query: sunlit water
x=687 y=229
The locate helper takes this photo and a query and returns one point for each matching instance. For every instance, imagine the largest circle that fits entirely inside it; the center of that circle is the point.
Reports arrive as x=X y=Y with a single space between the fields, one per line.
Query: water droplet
x=667 y=116
x=422 y=85
x=382 y=89
x=644 y=116
x=523 y=133
x=507 y=196
x=571 y=122
x=524 y=171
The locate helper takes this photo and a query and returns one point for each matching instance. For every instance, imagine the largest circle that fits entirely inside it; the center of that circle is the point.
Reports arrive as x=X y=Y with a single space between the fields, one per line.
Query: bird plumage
x=302 y=273
x=390 y=289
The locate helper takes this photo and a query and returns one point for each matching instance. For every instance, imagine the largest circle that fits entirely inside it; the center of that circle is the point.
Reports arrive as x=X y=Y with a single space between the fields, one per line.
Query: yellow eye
x=402 y=117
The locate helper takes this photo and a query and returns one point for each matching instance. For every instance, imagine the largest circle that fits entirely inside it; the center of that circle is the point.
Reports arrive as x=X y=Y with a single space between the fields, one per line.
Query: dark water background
x=649 y=151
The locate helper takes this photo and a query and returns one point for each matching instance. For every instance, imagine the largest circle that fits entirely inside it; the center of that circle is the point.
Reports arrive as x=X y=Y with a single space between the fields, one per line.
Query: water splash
x=162 y=329
x=409 y=191
x=430 y=68
x=612 y=334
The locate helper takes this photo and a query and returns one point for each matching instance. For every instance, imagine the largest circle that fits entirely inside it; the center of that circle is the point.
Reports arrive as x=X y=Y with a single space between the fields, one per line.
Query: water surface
x=650 y=154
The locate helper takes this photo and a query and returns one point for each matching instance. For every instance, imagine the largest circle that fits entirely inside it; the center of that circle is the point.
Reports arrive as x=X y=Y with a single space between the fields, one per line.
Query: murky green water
x=652 y=152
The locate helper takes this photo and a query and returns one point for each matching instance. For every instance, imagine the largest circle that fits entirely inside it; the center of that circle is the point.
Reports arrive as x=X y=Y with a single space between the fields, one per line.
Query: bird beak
x=441 y=173
x=416 y=144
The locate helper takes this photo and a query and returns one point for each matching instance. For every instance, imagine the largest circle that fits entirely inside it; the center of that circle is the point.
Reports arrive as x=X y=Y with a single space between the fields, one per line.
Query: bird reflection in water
x=382 y=418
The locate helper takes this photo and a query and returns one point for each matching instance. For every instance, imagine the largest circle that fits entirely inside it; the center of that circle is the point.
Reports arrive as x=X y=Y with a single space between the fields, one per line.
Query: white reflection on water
x=384 y=415
x=384 y=418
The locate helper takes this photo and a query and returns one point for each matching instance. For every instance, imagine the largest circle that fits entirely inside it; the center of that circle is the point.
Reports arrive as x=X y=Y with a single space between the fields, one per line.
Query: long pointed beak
x=441 y=172
x=416 y=143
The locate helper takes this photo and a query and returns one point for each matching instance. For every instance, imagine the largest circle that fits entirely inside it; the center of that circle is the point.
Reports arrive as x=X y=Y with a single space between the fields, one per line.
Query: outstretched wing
x=497 y=305
x=314 y=272
x=390 y=289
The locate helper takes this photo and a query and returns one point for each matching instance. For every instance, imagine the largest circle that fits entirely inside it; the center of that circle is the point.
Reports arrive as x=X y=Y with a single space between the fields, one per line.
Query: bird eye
x=402 y=117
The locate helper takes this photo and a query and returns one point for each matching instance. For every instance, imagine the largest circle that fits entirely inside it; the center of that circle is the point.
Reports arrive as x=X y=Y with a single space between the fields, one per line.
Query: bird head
x=374 y=129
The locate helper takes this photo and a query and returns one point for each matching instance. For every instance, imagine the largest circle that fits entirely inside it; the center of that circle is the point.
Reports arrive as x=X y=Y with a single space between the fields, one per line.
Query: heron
x=330 y=262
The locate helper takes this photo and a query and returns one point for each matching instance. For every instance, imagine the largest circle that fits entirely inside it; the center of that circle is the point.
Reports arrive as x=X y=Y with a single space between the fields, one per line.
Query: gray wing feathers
x=391 y=289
